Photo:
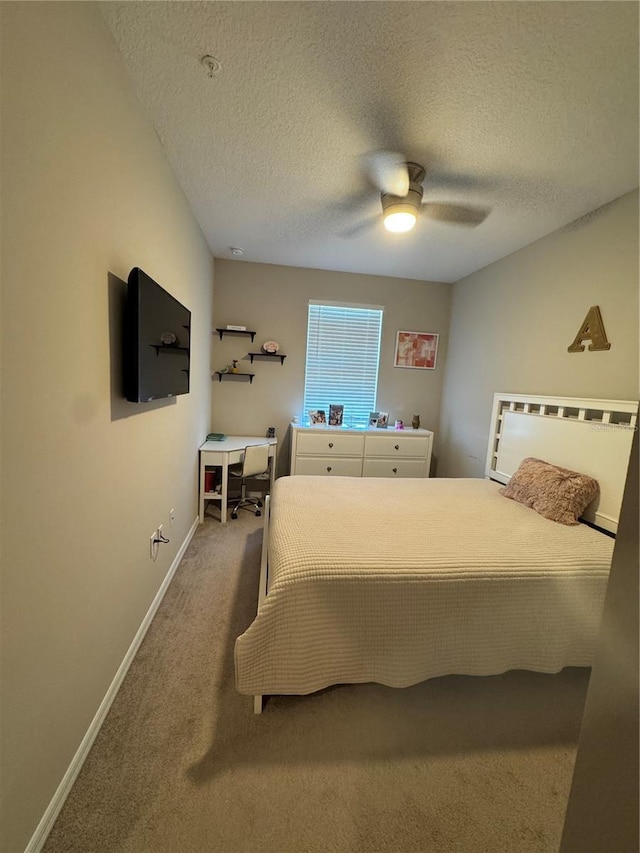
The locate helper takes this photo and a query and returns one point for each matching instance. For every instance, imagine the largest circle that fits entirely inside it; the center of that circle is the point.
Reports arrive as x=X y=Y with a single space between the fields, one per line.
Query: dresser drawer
x=396 y=445
x=328 y=466
x=330 y=444
x=394 y=468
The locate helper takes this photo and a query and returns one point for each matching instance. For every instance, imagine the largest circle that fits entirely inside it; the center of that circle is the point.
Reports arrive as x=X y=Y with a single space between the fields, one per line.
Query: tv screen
x=157 y=341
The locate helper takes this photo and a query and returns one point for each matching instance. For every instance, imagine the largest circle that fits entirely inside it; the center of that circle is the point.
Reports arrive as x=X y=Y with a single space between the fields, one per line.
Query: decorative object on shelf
x=415 y=423
x=234 y=366
x=383 y=420
x=271 y=347
x=373 y=419
x=336 y=413
x=271 y=432
x=317 y=416
x=417 y=350
x=216 y=436
x=592 y=329
x=236 y=328
x=399 y=425
x=168 y=339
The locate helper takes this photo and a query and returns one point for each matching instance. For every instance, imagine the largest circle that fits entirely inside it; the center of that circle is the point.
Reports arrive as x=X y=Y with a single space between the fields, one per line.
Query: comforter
x=397 y=581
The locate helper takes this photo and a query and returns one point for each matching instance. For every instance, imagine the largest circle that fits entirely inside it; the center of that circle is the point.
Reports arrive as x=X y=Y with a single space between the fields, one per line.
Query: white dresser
x=334 y=451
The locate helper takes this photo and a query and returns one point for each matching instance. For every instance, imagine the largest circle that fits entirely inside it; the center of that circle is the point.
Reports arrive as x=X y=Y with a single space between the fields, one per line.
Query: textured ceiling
x=528 y=108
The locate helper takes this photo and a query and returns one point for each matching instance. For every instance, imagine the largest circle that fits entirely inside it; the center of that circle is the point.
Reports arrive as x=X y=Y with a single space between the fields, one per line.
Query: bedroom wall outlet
x=157 y=539
x=153 y=545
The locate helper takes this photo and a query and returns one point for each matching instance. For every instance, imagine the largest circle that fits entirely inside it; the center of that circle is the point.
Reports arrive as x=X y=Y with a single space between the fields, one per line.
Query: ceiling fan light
x=400 y=212
x=399 y=221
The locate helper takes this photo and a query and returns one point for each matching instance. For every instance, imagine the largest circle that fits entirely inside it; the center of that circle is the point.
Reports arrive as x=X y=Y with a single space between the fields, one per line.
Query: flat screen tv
x=157 y=341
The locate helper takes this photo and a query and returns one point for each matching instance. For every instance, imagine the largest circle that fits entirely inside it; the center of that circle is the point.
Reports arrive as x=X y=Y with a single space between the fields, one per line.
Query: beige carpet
x=182 y=765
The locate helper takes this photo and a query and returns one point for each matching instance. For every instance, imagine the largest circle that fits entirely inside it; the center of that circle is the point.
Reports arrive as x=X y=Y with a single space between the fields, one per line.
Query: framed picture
x=317 y=416
x=335 y=415
x=383 y=420
x=373 y=419
x=416 y=349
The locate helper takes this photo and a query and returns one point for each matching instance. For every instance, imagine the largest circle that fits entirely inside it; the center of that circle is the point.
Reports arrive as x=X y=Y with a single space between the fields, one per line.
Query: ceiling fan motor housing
x=409 y=203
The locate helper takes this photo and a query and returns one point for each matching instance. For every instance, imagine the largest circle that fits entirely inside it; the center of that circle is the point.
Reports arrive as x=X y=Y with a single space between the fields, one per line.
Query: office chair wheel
x=258 y=512
x=259 y=504
x=234 y=515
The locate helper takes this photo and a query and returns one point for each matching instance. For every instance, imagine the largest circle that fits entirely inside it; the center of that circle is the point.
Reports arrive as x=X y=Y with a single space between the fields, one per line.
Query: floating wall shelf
x=270 y=356
x=168 y=348
x=228 y=375
x=223 y=332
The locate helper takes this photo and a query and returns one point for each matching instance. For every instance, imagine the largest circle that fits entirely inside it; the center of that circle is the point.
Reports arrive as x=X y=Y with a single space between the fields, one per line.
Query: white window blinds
x=343 y=351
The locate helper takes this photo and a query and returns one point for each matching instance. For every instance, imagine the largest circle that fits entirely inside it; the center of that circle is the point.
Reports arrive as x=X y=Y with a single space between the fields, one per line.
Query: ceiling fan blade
x=360 y=227
x=455 y=213
x=387 y=170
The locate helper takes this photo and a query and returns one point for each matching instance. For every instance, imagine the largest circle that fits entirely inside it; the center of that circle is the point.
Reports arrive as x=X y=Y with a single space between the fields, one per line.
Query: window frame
x=365 y=369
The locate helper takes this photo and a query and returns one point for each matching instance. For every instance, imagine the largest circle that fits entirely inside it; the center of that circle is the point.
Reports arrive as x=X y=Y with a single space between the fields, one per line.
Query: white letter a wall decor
x=592 y=330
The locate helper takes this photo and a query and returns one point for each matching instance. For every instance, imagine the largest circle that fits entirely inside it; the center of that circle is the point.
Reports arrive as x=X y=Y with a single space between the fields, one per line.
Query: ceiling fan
x=401 y=191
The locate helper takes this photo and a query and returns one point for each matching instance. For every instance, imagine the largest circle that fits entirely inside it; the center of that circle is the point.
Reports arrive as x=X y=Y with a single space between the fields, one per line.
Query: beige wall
x=87 y=194
x=511 y=324
x=273 y=300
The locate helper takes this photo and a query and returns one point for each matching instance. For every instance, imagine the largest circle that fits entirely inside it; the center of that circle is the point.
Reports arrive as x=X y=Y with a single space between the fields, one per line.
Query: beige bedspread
x=397 y=581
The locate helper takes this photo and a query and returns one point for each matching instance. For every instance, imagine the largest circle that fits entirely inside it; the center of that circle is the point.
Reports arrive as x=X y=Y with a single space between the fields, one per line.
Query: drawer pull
x=397 y=446
x=330 y=444
x=329 y=468
x=395 y=470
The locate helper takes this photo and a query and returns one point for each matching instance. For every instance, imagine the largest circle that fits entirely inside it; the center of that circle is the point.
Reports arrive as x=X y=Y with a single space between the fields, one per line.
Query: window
x=343 y=351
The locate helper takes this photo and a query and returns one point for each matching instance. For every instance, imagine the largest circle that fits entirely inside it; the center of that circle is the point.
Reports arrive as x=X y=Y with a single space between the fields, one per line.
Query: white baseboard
x=53 y=809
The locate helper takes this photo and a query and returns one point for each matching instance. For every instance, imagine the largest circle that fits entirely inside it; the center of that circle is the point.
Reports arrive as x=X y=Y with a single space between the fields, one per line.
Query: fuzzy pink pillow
x=555 y=493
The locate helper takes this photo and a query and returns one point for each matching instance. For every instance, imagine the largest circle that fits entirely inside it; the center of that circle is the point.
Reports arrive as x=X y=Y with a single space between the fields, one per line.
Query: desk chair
x=255 y=462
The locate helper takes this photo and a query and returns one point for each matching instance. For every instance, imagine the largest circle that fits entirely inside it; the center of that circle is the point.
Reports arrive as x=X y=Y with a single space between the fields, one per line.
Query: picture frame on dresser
x=336 y=414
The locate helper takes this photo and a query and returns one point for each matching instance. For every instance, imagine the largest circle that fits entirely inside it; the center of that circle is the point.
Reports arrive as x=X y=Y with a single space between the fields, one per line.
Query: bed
x=395 y=582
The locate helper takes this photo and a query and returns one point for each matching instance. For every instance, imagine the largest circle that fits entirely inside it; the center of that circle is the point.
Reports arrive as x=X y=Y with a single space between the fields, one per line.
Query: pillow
x=555 y=493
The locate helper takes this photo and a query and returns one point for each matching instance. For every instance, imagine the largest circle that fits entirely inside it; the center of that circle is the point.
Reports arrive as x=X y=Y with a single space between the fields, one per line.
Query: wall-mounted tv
x=157 y=341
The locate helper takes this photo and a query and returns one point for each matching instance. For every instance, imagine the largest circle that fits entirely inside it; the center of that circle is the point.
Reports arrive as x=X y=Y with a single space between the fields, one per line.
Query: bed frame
x=590 y=436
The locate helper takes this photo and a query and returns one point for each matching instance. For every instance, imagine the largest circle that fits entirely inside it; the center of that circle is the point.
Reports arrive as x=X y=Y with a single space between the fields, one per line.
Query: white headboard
x=589 y=436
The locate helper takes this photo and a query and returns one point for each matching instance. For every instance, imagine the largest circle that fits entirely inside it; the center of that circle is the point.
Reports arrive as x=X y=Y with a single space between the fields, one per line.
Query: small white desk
x=223 y=453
